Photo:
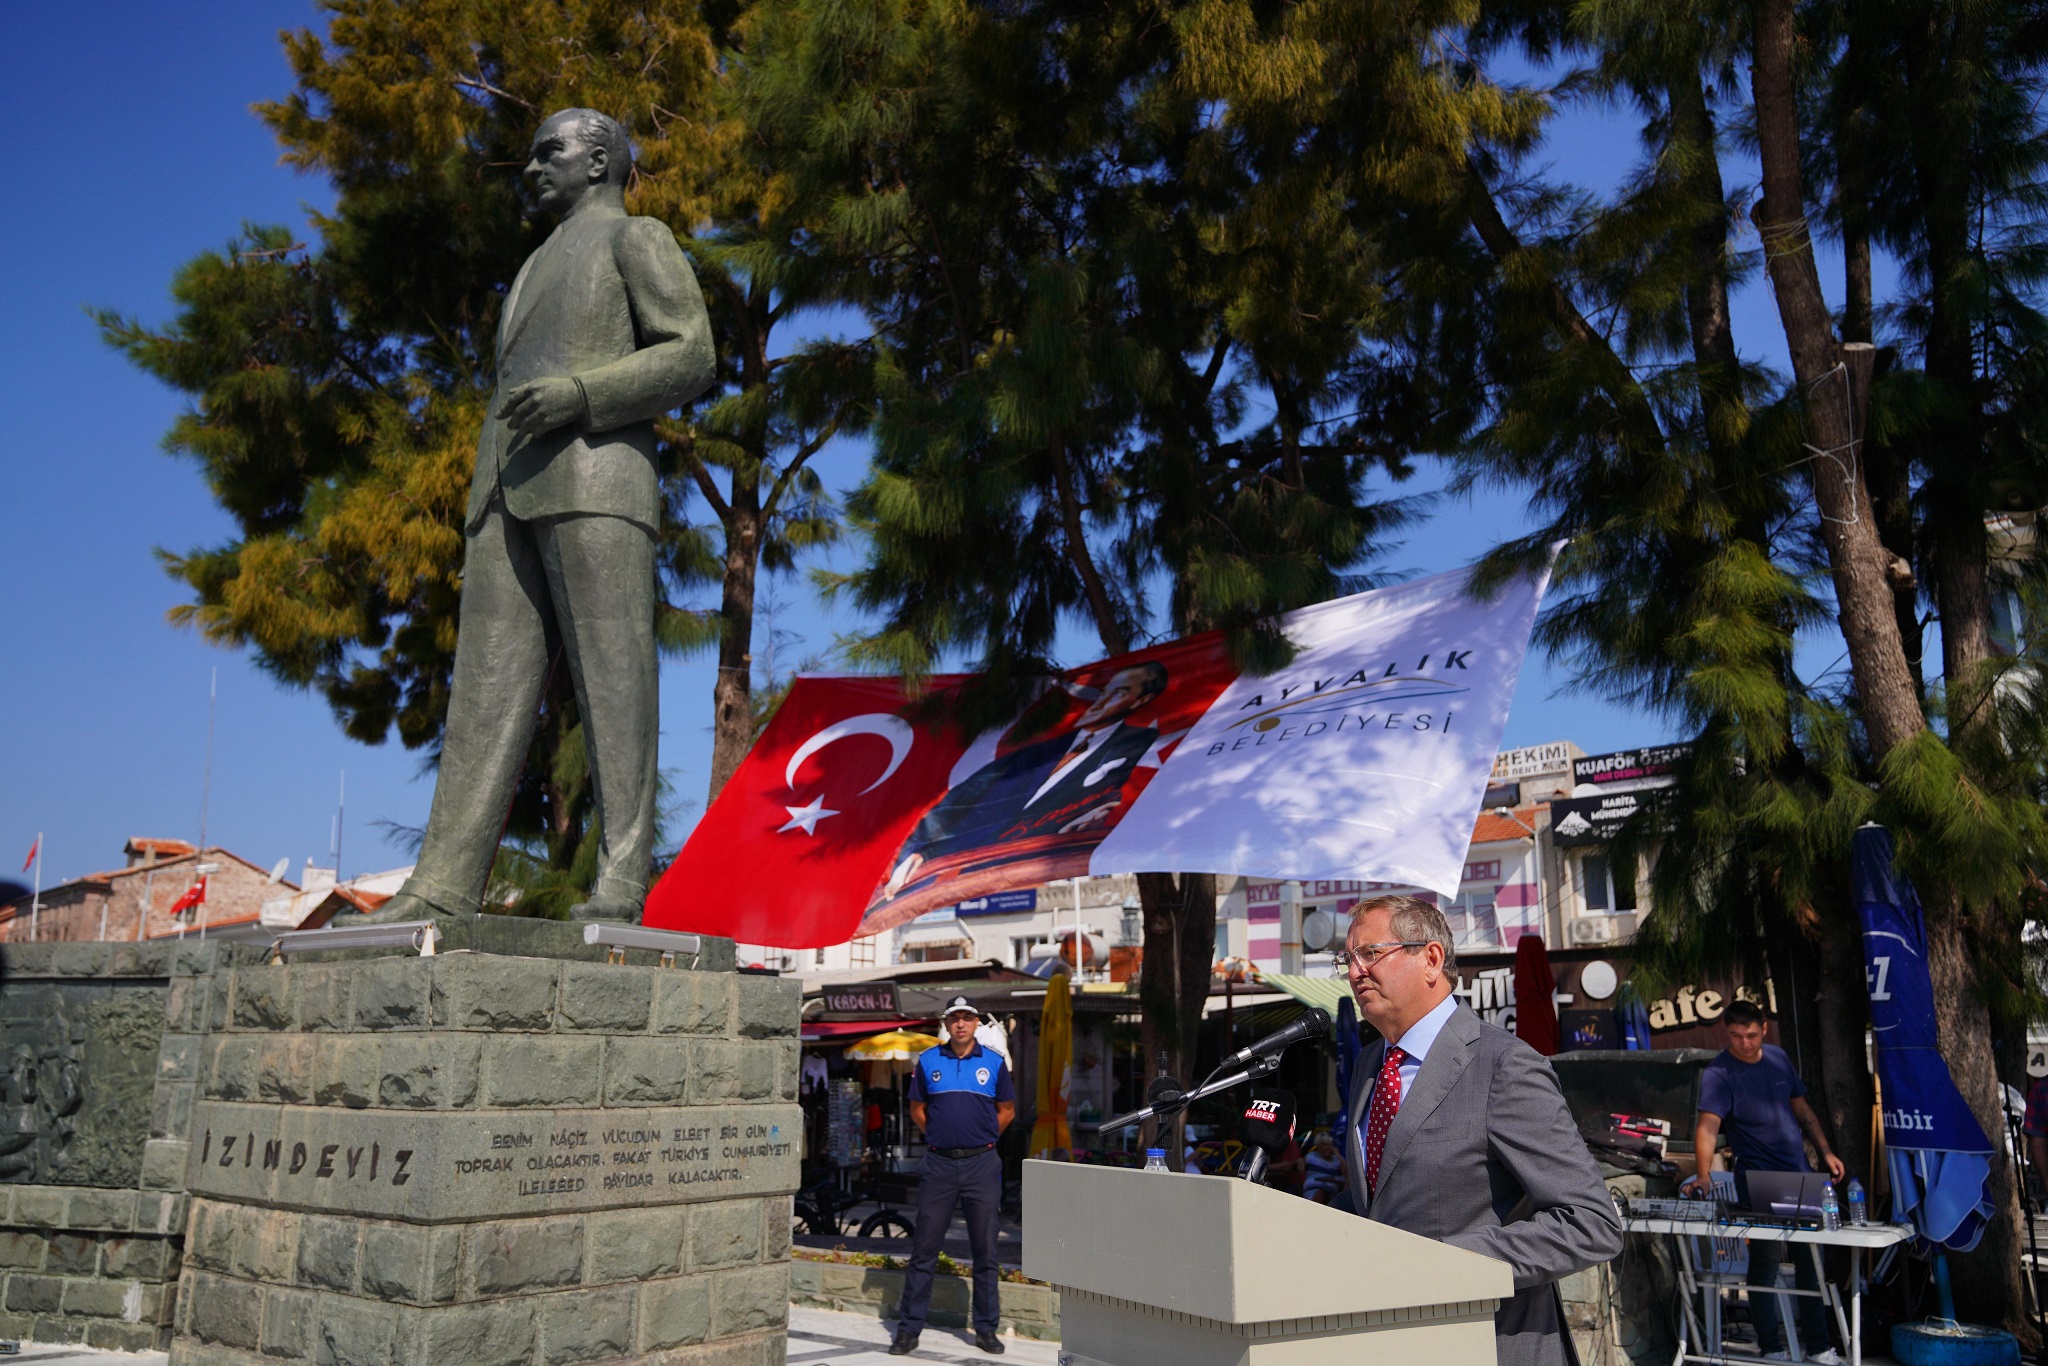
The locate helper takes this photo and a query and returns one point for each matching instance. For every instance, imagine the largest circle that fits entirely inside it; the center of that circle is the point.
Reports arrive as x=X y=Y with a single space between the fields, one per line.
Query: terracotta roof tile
x=161 y=848
x=1500 y=827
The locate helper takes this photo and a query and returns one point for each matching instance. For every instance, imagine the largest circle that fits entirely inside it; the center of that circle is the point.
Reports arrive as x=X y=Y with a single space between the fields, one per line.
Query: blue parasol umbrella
x=1940 y=1159
x=1347 y=1057
x=1632 y=1018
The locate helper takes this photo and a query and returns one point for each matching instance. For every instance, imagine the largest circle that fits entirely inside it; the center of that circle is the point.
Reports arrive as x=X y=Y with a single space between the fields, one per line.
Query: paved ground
x=819 y=1337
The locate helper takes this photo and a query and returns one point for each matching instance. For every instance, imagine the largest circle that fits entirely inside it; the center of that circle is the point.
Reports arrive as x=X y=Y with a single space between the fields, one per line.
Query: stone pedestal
x=484 y=1158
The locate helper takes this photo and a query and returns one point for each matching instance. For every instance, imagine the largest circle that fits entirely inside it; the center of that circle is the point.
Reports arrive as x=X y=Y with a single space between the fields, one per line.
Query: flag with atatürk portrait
x=1366 y=758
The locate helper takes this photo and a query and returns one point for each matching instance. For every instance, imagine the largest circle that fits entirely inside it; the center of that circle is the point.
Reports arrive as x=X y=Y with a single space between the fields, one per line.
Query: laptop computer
x=1788 y=1195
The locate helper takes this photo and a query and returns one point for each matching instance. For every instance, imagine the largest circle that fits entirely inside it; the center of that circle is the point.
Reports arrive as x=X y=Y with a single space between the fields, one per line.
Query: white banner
x=1366 y=758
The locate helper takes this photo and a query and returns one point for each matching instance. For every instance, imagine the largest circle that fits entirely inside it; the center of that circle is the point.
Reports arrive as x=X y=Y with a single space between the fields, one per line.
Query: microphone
x=1314 y=1025
x=1265 y=1128
x=1165 y=1093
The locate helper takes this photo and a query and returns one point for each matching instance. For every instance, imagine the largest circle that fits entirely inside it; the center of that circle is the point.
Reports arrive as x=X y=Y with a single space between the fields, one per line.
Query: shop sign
x=1691 y=1006
x=1555 y=757
x=863 y=998
x=1001 y=903
x=1628 y=769
x=1577 y=821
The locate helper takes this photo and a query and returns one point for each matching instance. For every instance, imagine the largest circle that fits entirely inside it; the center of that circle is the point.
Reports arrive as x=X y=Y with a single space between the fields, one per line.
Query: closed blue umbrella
x=1632 y=1018
x=1347 y=1058
x=1940 y=1158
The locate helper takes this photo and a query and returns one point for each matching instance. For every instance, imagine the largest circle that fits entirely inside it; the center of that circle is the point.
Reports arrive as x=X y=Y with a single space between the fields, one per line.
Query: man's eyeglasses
x=1366 y=955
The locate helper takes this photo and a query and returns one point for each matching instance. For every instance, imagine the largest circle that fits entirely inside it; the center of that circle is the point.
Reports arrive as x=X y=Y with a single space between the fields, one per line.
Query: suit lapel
x=532 y=284
x=1447 y=1060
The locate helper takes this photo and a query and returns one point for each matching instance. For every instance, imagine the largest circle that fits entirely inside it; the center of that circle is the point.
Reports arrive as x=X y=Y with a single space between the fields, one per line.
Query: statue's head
x=575 y=153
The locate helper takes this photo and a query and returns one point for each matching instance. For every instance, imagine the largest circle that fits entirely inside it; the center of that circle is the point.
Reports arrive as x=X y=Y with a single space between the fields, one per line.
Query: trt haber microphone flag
x=1366 y=758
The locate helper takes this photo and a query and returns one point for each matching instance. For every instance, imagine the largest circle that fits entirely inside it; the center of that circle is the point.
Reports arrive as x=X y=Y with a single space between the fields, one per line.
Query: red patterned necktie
x=1386 y=1103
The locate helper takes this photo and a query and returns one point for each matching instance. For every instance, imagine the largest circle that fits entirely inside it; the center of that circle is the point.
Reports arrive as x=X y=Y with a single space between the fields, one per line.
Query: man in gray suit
x=603 y=331
x=1460 y=1133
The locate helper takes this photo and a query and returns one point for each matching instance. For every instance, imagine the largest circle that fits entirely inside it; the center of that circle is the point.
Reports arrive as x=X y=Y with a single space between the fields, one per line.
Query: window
x=818 y=959
x=1473 y=920
x=934 y=953
x=1605 y=894
x=861 y=952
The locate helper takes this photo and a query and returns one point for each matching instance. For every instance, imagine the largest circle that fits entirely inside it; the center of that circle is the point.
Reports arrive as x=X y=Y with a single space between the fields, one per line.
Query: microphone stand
x=1262 y=1066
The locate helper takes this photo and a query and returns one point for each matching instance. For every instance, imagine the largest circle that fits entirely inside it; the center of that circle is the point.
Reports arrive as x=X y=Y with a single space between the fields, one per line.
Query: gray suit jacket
x=1483 y=1155
x=610 y=300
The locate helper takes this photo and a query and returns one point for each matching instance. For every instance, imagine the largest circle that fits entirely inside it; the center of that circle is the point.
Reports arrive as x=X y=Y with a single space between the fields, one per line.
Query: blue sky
x=136 y=117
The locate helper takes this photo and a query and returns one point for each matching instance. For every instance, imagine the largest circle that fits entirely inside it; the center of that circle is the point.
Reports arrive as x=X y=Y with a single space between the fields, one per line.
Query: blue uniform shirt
x=960 y=1095
x=1754 y=1101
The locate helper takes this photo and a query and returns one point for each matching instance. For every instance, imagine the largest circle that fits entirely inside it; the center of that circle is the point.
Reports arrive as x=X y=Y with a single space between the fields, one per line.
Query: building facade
x=133 y=903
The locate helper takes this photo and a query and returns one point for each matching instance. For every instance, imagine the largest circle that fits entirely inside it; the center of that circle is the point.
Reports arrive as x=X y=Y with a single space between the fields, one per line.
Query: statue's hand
x=542 y=405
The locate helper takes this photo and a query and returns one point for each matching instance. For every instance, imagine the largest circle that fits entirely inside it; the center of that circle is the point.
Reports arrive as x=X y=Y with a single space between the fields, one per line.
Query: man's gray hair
x=598 y=129
x=1414 y=920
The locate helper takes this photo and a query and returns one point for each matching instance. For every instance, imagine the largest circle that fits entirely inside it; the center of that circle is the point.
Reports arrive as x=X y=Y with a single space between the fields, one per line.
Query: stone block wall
x=1620 y=1312
x=100 y=1045
x=488 y=1159
x=1029 y=1310
x=80 y=1264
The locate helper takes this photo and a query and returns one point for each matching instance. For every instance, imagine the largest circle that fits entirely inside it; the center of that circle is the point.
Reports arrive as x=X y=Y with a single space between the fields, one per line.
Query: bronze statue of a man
x=603 y=331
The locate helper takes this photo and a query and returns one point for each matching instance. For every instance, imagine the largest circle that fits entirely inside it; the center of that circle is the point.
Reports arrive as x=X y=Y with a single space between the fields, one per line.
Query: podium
x=1212 y=1271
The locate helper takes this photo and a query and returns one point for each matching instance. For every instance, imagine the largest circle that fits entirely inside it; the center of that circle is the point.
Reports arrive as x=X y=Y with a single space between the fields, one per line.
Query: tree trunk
x=1987 y=1280
x=1957 y=491
x=1843 y=1007
x=732 y=693
x=1180 y=941
x=1856 y=558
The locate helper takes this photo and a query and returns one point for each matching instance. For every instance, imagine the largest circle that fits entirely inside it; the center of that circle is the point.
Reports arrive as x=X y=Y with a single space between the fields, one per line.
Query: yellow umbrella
x=898 y=1045
x=1055 y=1070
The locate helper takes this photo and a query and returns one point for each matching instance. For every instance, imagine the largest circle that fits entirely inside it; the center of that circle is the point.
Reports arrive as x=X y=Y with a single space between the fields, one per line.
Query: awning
x=1322 y=993
x=924 y=936
x=845 y=1031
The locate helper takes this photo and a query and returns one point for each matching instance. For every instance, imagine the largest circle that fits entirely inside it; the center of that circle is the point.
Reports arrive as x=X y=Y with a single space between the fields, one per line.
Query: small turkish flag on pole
x=194 y=897
x=34 y=845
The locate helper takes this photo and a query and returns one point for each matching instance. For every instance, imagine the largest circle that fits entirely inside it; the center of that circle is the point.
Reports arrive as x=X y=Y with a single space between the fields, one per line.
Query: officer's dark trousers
x=975 y=1184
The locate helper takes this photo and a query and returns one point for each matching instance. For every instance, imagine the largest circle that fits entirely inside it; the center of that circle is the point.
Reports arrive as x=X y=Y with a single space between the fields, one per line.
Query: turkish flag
x=35 y=845
x=803 y=832
x=194 y=897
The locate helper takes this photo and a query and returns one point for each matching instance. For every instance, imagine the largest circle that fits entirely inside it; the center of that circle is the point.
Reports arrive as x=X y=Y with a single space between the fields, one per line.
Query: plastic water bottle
x=1830 y=1208
x=1859 y=1209
x=1155 y=1161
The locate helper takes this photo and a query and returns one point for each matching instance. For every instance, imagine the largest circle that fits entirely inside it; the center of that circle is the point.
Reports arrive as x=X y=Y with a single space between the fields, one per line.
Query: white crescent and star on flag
x=894 y=729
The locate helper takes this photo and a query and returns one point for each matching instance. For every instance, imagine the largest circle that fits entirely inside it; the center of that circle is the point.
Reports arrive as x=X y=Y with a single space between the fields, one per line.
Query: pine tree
x=1084 y=285
x=1714 y=503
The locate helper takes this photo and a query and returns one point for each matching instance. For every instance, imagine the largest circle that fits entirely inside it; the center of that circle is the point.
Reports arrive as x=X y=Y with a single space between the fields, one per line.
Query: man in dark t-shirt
x=1753 y=1094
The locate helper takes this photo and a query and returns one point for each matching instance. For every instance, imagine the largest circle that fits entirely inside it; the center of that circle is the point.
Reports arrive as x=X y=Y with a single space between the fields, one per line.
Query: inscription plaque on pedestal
x=470 y=1164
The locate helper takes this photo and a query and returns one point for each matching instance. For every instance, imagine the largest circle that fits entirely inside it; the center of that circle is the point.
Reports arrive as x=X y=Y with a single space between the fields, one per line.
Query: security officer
x=962 y=1096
